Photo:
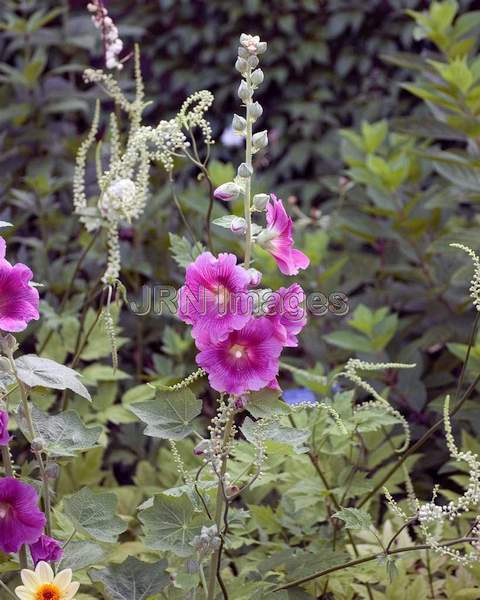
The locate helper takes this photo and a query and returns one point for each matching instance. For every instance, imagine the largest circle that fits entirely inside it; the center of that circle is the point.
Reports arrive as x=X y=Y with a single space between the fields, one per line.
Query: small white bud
x=239 y=124
x=255 y=110
x=260 y=140
x=255 y=276
x=244 y=93
x=243 y=53
x=252 y=61
x=238 y=226
x=244 y=171
x=260 y=201
x=257 y=77
x=241 y=65
x=261 y=47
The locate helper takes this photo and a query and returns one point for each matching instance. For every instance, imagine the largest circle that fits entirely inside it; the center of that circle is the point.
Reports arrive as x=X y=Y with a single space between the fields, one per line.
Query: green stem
x=369 y=558
x=9 y=592
x=248 y=183
x=215 y=562
x=7 y=463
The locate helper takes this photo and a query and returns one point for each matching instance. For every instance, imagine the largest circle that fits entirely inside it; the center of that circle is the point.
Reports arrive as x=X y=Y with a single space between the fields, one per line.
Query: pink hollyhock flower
x=287 y=308
x=21 y=521
x=4 y=437
x=18 y=299
x=277 y=239
x=214 y=298
x=245 y=360
x=47 y=549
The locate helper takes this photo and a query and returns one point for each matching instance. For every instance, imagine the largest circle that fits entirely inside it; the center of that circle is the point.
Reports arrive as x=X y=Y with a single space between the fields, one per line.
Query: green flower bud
x=244 y=92
x=244 y=171
x=255 y=110
x=239 y=124
x=260 y=201
x=260 y=140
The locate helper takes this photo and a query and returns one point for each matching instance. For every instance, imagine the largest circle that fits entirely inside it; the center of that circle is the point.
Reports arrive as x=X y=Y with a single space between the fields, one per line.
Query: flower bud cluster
x=112 y=43
x=207 y=542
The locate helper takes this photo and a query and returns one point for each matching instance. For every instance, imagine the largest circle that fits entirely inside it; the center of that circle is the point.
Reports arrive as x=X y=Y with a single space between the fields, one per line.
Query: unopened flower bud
x=243 y=52
x=244 y=170
x=255 y=110
x=8 y=343
x=244 y=92
x=52 y=470
x=232 y=490
x=241 y=402
x=252 y=61
x=241 y=65
x=227 y=191
x=201 y=447
x=238 y=226
x=37 y=444
x=257 y=77
x=260 y=140
x=260 y=201
x=261 y=47
x=255 y=276
x=239 y=124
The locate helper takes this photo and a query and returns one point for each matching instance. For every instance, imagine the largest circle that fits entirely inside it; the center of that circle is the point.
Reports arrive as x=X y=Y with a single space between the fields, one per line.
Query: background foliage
x=394 y=172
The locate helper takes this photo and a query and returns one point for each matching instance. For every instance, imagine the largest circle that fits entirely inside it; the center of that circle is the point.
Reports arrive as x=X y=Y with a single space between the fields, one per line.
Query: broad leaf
x=133 y=579
x=78 y=555
x=36 y=371
x=169 y=416
x=354 y=518
x=94 y=514
x=63 y=434
x=169 y=524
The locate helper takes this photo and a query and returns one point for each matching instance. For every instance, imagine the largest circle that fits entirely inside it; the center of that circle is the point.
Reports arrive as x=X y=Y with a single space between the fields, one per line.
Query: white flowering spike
x=475 y=282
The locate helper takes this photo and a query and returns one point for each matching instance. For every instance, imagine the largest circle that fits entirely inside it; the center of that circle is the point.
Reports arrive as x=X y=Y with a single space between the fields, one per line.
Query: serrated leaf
x=266 y=403
x=170 y=524
x=183 y=251
x=169 y=415
x=63 y=435
x=78 y=555
x=354 y=518
x=133 y=579
x=94 y=514
x=35 y=371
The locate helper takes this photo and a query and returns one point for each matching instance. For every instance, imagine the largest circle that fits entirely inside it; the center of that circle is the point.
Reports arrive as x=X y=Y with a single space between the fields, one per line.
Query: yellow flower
x=43 y=584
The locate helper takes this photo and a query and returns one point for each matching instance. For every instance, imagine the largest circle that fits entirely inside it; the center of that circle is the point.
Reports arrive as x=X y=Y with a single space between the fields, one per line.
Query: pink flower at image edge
x=18 y=299
x=4 y=437
x=279 y=224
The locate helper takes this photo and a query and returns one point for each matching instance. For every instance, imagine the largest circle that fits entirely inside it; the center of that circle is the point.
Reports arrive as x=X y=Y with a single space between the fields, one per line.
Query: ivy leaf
x=354 y=518
x=63 y=434
x=169 y=416
x=78 y=555
x=133 y=579
x=183 y=251
x=169 y=524
x=94 y=514
x=35 y=371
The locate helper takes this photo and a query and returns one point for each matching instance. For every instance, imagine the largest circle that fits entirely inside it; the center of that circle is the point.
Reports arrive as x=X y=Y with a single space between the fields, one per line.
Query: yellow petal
x=23 y=593
x=71 y=591
x=29 y=579
x=63 y=578
x=44 y=572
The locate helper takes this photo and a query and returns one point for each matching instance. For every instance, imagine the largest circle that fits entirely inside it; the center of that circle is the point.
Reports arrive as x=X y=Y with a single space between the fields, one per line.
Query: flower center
x=4 y=508
x=238 y=351
x=48 y=591
x=222 y=295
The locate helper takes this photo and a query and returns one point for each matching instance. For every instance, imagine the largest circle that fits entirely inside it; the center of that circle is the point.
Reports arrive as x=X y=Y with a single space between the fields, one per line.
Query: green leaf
x=349 y=341
x=279 y=437
x=183 y=251
x=170 y=524
x=354 y=518
x=95 y=514
x=78 y=555
x=63 y=434
x=133 y=579
x=104 y=373
x=220 y=172
x=35 y=371
x=169 y=416
x=266 y=403
x=374 y=134
x=225 y=221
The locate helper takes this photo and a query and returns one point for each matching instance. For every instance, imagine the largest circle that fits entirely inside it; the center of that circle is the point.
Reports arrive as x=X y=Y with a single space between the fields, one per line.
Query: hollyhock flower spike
x=4 y=437
x=246 y=360
x=43 y=584
x=47 y=549
x=277 y=239
x=287 y=309
x=18 y=299
x=214 y=298
x=21 y=521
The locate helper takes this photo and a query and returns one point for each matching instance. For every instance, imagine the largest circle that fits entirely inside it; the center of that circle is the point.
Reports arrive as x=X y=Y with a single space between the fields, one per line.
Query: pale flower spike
x=475 y=282
x=112 y=44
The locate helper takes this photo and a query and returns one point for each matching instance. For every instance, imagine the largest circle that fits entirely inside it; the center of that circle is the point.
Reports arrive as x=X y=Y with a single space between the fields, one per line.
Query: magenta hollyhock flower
x=245 y=360
x=4 y=437
x=47 y=549
x=18 y=299
x=21 y=521
x=214 y=298
x=287 y=308
x=277 y=239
